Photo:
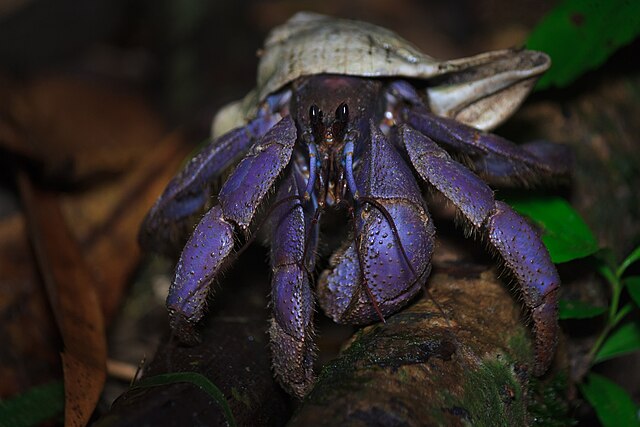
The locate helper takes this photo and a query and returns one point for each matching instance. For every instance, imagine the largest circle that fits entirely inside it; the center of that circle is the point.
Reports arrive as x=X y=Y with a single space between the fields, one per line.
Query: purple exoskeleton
x=362 y=137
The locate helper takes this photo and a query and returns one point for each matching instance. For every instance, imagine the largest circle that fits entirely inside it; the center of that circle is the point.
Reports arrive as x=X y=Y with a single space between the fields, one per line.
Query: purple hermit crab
x=347 y=114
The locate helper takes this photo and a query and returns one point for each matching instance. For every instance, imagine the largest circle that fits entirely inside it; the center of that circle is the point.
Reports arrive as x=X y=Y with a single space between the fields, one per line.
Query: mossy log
x=461 y=356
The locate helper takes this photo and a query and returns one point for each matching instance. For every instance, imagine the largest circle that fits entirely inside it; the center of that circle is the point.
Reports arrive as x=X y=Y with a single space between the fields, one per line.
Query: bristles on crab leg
x=291 y=328
x=516 y=241
x=187 y=194
x=212 y=241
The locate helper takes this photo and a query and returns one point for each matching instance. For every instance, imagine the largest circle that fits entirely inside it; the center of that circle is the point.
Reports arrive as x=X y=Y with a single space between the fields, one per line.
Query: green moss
x=241 y=397
x=520 y=347
x=493 y=396
x=548 y=402
x=340 y=374
x=402 y=375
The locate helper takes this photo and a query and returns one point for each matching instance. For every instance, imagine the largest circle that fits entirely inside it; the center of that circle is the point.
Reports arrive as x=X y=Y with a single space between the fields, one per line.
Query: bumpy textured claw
x=517 y=242
x=212 y=241
x=383 y=247
x=495 y=159
x=188 y=193
x=291 y=328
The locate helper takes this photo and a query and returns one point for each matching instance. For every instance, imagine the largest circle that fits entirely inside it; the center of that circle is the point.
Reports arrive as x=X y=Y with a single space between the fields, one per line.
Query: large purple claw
x=393 y=229
x=516 y=241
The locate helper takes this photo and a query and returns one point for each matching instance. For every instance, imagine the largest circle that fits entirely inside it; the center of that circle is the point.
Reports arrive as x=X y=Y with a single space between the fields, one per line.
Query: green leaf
x=578 y=310
x=624 y=340
x=195 y=379
x=34 y=406
x=565 y=234
x=633 y=257
x=633 y=286
x=613 y=405
x=580 y=35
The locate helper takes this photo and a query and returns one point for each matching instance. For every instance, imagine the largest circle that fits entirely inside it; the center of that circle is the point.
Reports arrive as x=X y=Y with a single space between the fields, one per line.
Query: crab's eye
x=315 y=115
x=342 y=113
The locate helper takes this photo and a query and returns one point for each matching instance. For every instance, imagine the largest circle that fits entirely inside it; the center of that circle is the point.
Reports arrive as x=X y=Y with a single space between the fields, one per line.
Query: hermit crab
x=349 y=115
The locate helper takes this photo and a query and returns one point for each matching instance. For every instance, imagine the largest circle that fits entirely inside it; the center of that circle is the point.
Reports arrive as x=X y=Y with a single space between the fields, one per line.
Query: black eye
x=342 y=113
x=315 y=115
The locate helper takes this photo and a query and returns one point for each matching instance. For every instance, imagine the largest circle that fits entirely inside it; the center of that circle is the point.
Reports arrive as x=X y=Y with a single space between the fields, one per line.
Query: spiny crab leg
x=516 y=241
x=495 y=159
x=292 y=258
x=212 y=240
x=188 y=192
x=385 y=177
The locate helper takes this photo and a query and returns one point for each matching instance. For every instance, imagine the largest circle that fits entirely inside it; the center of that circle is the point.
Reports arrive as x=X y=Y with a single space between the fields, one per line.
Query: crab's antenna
x=394 y=230
x=314 y=221
x=348 y=165
x=353 y=189
x=356 y=237
x=392 y=224
x=313 y=169
x=438 y=306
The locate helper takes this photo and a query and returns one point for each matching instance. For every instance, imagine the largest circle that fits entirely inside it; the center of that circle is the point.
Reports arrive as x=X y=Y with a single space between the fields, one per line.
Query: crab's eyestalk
x=315 y=120
x=340 y=122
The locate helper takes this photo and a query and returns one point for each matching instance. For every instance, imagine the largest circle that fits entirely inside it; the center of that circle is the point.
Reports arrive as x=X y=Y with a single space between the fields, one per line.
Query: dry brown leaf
x=30 y=340
x=103 y=217
x=71 y=289
x=106 y=220
x=76 y=129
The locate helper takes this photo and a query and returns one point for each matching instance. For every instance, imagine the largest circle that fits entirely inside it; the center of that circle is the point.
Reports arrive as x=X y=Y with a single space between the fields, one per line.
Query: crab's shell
x=481 y=90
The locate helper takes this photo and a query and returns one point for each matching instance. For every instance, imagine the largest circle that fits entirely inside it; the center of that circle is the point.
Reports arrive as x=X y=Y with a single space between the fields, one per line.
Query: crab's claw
x=388 y=259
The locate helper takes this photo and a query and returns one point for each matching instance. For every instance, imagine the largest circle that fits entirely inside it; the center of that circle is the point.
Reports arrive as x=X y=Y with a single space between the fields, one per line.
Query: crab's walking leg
x=516 y=241
x=495 y=159
x=212 y=241
x=291 y=328
x=393 y=229
x=188 y=193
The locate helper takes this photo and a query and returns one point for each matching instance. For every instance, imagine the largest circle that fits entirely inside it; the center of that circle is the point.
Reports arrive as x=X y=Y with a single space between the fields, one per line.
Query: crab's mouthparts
x=328 y=137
